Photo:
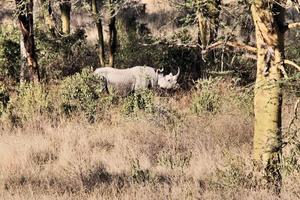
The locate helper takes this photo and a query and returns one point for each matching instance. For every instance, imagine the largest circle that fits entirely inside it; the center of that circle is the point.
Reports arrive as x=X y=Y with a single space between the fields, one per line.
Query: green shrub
x=174 y=158
x=291 y=143
x=243 y=100
x=140 y=100
x=31 y=100
x=63 y=56
x=165 y=117
x=4 y=98
x=237 y=173
x=139 y=175
x=206 y=98
x=9 y=54
x=81 y=93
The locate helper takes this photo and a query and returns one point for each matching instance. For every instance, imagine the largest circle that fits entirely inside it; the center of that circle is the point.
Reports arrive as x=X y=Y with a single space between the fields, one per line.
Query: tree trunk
x=65 y=9
x=100 y=31
x=269 y=22
x=23 y=60
x=25 y=19
x=112 y=35
x=47 y=15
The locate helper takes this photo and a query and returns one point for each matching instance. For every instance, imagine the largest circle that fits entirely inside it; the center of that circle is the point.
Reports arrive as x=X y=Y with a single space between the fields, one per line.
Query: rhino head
x=168 y=81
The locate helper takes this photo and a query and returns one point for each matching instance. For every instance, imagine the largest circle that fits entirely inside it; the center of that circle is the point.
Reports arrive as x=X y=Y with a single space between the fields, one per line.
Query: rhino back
x=146 y=77
x=119 y=81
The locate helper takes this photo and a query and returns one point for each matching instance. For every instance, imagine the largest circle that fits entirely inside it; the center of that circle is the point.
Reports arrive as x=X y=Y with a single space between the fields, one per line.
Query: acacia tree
x=25 y=19
x=270 y=26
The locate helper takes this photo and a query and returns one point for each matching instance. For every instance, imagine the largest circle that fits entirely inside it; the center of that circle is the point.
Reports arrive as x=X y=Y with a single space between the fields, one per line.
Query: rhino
x=125 y=81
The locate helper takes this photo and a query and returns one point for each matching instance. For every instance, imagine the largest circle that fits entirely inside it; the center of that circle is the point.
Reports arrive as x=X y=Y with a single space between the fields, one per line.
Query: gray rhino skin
x=124 y=81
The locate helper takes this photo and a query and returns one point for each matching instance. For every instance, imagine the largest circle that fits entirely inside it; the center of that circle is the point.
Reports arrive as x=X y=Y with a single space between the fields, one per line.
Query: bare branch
x=221 y=44
x=289 y=62
x=163 y=42
x=242 y=46
x=294 y=25
x=282 y=69
x=294 y=114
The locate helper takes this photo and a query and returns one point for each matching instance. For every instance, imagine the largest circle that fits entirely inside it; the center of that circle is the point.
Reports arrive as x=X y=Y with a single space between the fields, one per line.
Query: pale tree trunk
x=47 y=15
x=25 y=19
x=112 y=35
x=269 y=22
x=65 y=9
x=99 y=30
x=23 y=60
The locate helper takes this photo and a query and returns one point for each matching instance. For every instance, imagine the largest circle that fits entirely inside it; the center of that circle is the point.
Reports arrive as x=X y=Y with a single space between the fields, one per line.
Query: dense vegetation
x=63 y=137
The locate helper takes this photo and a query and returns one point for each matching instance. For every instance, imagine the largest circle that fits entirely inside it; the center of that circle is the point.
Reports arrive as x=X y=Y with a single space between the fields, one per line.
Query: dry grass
x=200 y=157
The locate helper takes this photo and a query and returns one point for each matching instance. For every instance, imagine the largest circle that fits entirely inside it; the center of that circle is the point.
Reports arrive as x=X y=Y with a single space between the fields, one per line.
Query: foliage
x=82 y=92
x=63 y=56
x=183 y=36
x=4 y=98
x=31 y=100
x=206 y=98
x=140 y=100
x=174 y=159
x=139 y=175
x=291 y=84
x=163 y=116
x=9 y=54
x=291 y=143
x=291 y=161
x=243 y=99
x=234 y=174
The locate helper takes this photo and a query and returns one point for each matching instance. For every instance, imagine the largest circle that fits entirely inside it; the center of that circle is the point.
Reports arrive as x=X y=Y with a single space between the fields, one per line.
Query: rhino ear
x=159 y=70
x=178 y=72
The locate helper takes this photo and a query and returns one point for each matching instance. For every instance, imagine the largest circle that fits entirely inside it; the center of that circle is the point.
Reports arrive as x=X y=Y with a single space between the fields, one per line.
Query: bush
x=9 y=55
x=63 y=56
x=174 y=158
x=4 y=98
x=82 y=92
x=242 y=99
x=31 y=100
x=165 y=117
x=206 y=98
x=140 y=100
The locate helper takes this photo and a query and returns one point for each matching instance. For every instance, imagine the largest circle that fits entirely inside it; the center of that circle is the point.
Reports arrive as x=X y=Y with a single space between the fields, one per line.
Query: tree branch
x=245 y=47
x=289 y=62
x=164 y=42
x=221 y=44
x=294 y=113
x=294 y=25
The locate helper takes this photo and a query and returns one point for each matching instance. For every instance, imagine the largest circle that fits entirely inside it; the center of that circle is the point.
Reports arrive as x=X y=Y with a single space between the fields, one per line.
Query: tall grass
x=197 y=156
